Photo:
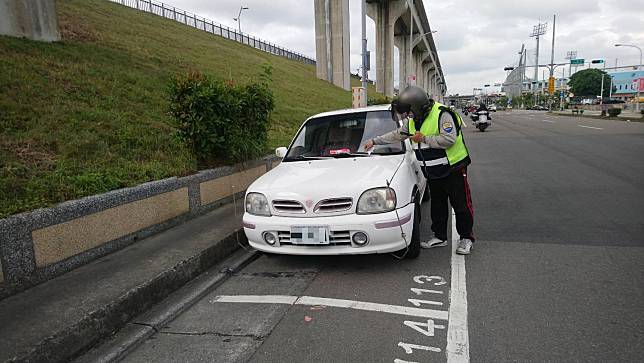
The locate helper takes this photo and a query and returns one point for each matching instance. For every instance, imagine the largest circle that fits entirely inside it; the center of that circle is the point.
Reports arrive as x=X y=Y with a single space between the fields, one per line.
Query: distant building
x=625 y=84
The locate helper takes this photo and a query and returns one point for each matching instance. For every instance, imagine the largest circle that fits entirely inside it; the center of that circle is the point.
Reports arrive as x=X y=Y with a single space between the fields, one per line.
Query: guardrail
x=40 y=245
x=209 y=26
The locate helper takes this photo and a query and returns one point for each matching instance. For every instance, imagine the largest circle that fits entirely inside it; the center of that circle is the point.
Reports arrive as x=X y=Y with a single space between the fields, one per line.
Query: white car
x=330 y=197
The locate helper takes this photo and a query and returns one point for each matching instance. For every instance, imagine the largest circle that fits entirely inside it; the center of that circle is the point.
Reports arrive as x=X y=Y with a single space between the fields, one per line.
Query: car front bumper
x=383 y=231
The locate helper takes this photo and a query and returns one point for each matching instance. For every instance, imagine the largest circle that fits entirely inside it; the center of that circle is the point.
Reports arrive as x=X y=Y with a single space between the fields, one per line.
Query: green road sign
x=577 y=61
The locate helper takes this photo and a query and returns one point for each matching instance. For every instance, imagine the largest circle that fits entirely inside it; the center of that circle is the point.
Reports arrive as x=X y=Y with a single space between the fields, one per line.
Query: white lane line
x=458 y=341
x=339 y=303
x=257 y=299
x=552 y=122
x=590 y=127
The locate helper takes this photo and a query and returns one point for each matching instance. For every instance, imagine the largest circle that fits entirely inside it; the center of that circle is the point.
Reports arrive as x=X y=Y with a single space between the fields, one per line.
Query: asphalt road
x=556 y=274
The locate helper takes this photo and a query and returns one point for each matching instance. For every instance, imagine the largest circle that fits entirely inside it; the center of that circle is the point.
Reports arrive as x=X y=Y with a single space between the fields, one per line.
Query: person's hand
x=369 y=145
x=418 y=137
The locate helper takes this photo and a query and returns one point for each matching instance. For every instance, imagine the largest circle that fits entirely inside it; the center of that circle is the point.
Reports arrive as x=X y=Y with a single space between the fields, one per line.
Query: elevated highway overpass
x=399 y=23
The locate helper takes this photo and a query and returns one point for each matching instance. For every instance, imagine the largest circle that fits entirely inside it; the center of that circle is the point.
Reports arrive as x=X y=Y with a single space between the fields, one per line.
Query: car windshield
x=343 y=135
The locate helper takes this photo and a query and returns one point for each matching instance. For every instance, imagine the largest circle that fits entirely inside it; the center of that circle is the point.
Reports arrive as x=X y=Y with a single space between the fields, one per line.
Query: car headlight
x=377 y=200
x=256 y=203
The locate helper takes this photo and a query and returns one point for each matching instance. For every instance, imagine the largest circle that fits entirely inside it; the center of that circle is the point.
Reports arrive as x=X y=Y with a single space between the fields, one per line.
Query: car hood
x=317 y=180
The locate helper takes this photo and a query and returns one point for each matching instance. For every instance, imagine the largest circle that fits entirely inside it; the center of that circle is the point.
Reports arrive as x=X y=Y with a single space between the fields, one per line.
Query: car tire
x=413 y=250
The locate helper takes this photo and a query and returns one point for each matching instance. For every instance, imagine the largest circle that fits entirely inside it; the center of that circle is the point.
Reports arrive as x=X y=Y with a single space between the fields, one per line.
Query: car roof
x=353 y=110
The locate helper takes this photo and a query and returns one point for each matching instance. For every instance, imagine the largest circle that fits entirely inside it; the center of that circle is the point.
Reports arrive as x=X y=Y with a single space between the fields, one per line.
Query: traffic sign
x=577 y=61
x=551 y=85
x=597 y=61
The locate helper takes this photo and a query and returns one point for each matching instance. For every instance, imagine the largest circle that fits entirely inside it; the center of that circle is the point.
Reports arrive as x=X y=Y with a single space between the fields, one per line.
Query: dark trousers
x=454 y=188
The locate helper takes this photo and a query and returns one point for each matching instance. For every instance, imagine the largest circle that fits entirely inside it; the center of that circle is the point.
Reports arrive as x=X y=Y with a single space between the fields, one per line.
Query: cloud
x=475 y=38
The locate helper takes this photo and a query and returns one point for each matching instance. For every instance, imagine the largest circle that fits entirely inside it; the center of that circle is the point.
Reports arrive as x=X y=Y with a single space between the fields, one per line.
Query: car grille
x=333 y=205
x=336 y=238
x=288 y=206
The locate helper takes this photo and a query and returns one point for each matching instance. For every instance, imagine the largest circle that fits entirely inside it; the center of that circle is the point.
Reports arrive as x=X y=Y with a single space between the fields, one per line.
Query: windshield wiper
x=304 y=157
x=351 y=155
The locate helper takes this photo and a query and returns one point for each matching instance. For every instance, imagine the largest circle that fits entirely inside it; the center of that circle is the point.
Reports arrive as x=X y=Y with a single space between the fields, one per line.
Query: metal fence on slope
x=209 y=26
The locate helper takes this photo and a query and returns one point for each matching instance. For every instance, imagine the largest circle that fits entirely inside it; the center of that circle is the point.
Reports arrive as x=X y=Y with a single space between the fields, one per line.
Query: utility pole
x=411 y=40
x=572 y=54
x=365 y=66
x=552 y=51
x=601 y=91
x=552 y=64
x=537 y=31
x=610 y=90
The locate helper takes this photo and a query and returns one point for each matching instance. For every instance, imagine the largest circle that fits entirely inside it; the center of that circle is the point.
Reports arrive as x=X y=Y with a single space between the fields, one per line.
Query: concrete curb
x=78 y=337
x=142 y=327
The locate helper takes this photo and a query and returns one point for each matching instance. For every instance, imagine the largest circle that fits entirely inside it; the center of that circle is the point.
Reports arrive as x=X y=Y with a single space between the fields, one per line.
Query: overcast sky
x=475 y=38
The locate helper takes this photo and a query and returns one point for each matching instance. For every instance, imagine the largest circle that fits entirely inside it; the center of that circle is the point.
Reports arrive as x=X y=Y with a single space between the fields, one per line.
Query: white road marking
x=420 y=291
x=590 y=127
x=419 y=325
x=552 y=122
x=257 y=299
x=417 y=302
x=458 y=343
x=409 y=348
x=339 y=303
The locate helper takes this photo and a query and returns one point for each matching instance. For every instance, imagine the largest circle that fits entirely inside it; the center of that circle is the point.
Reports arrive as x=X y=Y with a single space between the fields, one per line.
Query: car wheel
x=413 y=250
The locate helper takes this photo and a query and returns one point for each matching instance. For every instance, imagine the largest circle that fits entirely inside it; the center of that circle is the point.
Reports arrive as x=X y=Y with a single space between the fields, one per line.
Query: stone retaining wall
x=37 y=246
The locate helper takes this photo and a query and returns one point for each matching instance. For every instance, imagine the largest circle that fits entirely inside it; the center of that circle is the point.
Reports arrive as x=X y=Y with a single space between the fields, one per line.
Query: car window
x=339 y=135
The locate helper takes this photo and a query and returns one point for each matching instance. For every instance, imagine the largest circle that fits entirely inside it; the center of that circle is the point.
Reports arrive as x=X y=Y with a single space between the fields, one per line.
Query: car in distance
x=330 y=197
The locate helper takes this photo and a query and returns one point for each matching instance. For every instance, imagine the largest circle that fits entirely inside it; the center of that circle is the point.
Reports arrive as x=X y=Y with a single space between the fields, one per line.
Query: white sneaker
x=434 y=242
x=464 y=247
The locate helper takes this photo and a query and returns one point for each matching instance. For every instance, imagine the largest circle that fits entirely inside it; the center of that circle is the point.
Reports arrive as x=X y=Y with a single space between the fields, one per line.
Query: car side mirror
x=281 y=152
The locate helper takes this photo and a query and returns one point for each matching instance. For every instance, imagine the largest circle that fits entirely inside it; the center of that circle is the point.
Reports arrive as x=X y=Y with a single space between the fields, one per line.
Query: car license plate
x=310 y=235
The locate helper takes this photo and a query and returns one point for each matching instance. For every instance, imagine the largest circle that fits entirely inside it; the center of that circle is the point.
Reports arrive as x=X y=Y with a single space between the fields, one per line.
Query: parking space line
x=458 y=341
x=590 y=127
x=552 y=122
x=339 y=303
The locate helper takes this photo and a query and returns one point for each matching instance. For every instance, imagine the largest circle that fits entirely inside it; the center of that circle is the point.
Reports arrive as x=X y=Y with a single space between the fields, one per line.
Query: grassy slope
x=88 y=114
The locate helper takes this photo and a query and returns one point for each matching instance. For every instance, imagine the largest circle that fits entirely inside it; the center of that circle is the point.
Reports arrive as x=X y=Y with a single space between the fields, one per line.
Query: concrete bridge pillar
x=418 y=69
x=332 y=41
x=33 y=19
x=426 y=77
x=431 y=85
x=385 y=15
x=402 y=42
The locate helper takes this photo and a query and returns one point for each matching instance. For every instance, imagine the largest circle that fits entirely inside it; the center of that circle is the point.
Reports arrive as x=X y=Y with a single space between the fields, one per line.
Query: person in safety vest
x=435 y=132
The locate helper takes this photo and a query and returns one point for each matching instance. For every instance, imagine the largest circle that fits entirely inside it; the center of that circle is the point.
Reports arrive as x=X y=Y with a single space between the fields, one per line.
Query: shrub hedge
x=613 y=112
x=221 y=120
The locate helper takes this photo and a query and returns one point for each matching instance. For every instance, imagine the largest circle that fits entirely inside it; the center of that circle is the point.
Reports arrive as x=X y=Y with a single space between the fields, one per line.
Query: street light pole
x=238 y=18
x=639 y=68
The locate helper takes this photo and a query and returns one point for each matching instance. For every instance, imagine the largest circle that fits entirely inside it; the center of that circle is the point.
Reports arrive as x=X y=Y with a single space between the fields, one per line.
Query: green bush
x=613 y=112
x=378 y=100
x=221 y=120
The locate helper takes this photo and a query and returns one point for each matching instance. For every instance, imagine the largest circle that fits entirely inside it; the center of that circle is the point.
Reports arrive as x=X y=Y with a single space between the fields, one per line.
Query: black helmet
x=412 y=99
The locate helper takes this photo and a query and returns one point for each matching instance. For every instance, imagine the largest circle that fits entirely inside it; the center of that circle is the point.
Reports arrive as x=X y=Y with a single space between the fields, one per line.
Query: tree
x=588 y=83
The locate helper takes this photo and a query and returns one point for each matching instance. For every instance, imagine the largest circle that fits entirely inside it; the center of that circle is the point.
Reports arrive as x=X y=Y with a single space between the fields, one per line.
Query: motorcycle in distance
x=481 y=119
